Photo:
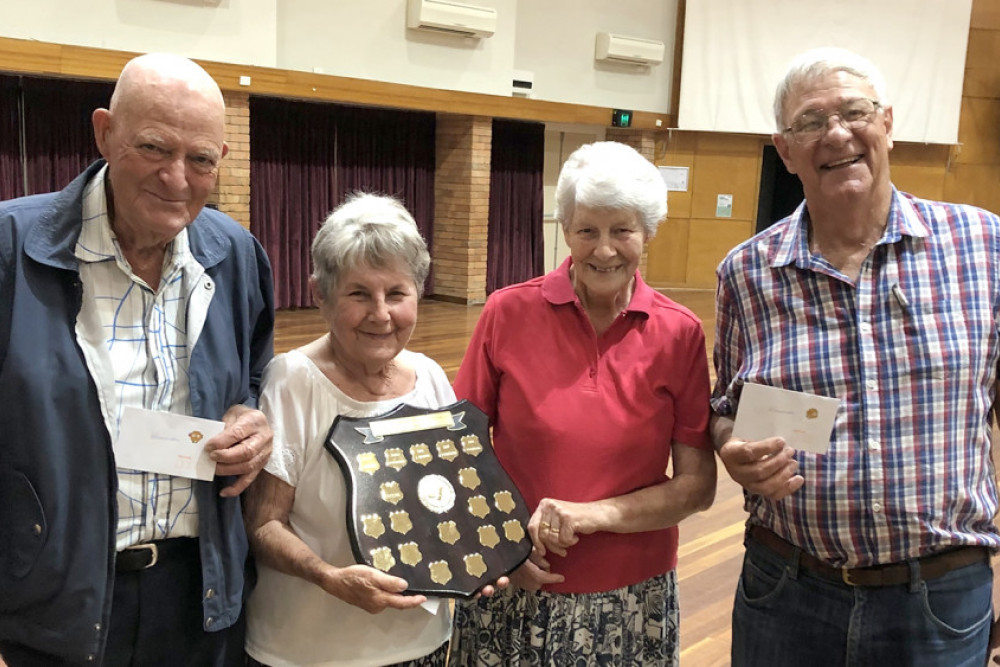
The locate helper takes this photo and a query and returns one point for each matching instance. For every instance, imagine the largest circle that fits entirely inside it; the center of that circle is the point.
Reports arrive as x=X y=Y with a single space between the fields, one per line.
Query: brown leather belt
x=892 y=574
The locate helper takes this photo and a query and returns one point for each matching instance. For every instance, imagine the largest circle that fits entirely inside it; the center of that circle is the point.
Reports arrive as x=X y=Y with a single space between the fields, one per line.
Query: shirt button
x=865 y=327
x=210 y=593
x=871 y=384
x=593 y=372
x=874 y=445
x=876 y=507
x=97 y=627
x=209 y=285
x=209 y=621
x=37 y=529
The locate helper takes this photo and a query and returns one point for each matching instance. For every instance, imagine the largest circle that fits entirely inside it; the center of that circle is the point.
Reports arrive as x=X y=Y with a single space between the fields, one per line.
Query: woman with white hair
x=313 y=604
x=592 y=382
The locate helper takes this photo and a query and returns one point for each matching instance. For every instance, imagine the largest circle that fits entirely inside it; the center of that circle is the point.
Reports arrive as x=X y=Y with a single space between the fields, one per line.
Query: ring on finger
x=544 y=525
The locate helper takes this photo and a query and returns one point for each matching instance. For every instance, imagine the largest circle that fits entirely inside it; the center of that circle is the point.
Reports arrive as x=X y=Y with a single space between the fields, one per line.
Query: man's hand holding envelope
x=771 y=424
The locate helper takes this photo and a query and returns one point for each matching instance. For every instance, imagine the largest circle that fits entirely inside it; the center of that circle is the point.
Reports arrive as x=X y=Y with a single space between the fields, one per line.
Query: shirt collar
x=793 y=238
x=557 y=289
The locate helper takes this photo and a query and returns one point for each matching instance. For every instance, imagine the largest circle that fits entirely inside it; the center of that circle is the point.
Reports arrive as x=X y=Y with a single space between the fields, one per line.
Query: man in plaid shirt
x=877 y=551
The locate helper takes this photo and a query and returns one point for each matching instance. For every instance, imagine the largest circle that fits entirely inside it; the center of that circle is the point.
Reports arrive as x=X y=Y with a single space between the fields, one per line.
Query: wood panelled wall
x=692 y=241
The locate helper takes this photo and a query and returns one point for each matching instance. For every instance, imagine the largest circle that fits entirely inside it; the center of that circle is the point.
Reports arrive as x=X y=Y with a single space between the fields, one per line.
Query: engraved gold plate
x=436 y=493
x=400 y=521
x=446 y=450
x=488 y=536
x=421 y=453
x=410 y=554
x=382 y=558
x=368 y=463
x=373 y=525
x=390 y=492
x=478 y=507
x=471 y=445
x=475 y=565
x=448 y=532
x=504 y=501
x=469 y=478
x=440 y=572
x=394 y=458
x=513 y=530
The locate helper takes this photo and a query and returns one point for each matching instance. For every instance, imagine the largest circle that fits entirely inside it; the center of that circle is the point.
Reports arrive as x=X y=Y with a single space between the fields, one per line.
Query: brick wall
x=232 y=192
x=461 y=207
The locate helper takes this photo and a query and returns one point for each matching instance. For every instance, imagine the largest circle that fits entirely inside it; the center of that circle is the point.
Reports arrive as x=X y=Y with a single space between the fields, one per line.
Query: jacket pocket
x=23 y=525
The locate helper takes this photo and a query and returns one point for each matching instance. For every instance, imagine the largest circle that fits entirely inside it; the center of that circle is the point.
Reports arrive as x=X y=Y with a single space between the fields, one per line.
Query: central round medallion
x=436 y=493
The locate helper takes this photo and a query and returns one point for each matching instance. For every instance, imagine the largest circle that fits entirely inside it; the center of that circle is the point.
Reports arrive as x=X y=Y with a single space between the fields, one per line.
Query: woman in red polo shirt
x=592 y=382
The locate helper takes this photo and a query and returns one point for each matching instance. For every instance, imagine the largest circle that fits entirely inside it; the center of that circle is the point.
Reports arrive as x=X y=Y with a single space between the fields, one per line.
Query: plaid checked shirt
x=911 y=350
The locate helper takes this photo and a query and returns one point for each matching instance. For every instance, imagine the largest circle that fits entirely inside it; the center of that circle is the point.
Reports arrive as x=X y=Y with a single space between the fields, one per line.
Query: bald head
x=163 y=136
x=155 y=74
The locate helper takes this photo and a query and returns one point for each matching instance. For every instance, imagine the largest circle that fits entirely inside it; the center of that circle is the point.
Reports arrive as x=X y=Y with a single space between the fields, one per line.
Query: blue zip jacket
x=58 y=482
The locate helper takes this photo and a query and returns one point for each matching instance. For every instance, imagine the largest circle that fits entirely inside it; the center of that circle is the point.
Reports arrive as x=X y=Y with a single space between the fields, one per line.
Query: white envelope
x=805 y=421
x=165 y=443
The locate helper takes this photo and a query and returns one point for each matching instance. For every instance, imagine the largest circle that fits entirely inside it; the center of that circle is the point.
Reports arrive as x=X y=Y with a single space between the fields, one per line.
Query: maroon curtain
x=11 y=172
x=58 y=135
x=305 y=158
x=515 y=243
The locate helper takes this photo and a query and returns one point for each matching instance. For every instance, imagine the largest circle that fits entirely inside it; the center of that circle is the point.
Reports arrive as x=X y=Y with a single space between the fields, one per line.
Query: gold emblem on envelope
x=446 y=450
x=513 y=530
x=400 y=521
x=469 y=478
x=410 y=554
x=812 y=413
x=440 y=572
x=471 y=445
x=488 y=536
x=474 y=564
x=196 y=436
x=368 y=463
x=448 y=532
x=390 y=492
x=394 y=458
x=421 y=453
x=478 y=507
x=373 y=525
x=504 y=501
x=382 y=558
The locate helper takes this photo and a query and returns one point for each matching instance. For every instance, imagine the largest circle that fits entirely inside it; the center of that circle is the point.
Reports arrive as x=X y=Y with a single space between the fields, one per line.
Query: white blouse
x=290 y=621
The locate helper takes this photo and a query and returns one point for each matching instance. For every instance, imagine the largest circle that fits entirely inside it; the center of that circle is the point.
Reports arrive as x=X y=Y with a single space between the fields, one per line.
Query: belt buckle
x=845 y=575
x=154 y=553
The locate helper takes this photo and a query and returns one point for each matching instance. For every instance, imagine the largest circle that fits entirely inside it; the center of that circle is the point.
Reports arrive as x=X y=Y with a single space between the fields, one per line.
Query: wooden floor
x=711 y=549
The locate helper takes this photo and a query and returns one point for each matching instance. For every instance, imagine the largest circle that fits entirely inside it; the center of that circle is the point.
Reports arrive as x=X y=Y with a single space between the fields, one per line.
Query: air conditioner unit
x=618 y=48
x=454 y=17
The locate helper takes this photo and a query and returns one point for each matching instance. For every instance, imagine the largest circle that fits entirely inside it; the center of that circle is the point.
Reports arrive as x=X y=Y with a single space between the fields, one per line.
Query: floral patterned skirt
x=635 y=625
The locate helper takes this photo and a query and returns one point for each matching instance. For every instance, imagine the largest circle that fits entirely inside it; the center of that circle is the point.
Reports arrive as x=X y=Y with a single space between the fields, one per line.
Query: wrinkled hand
x=765 y=467
x=242 y=448
x=370 y=589
x=556 y=524
x=489 y=590
x=534 y=573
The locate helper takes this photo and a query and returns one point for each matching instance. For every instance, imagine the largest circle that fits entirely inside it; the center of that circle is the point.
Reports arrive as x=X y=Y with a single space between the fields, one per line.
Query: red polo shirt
x=581 y=417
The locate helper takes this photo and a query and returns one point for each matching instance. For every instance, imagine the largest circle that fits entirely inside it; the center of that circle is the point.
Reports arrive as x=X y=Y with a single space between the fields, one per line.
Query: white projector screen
x=735 y=52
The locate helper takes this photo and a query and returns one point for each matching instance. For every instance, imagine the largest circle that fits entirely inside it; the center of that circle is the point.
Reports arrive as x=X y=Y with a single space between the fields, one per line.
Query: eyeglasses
x=853 y=115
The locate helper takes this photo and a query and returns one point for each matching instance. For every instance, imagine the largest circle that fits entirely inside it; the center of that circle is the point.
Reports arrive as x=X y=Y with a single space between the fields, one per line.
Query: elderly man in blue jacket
x=122 y=291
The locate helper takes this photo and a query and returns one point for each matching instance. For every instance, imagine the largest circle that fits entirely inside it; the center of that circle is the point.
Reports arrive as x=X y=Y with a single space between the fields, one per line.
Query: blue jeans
x=786 y=616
